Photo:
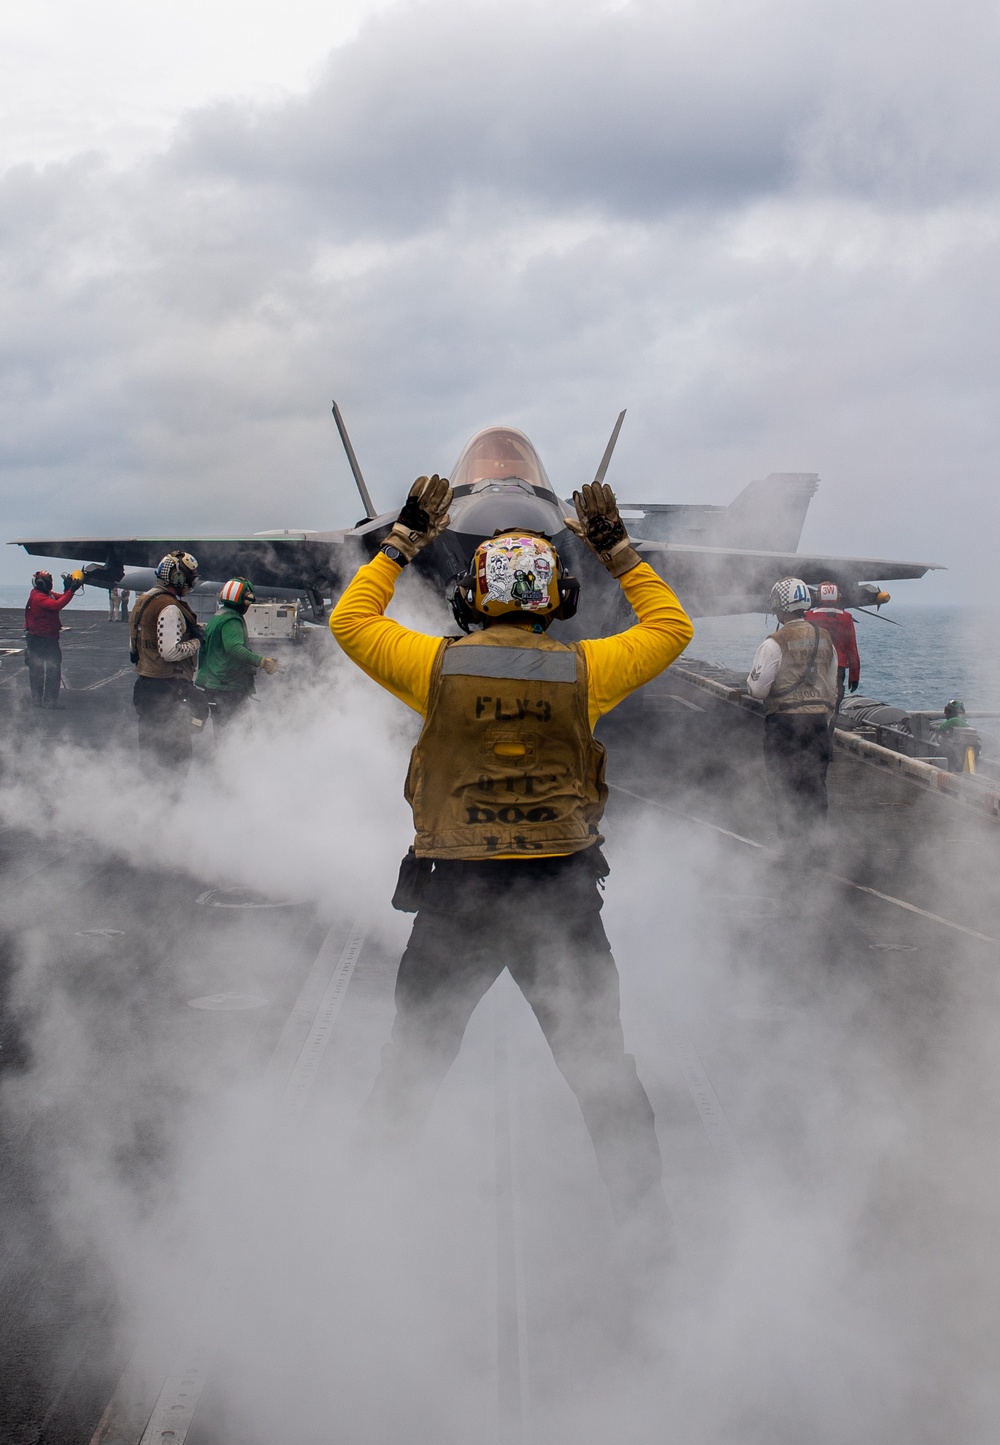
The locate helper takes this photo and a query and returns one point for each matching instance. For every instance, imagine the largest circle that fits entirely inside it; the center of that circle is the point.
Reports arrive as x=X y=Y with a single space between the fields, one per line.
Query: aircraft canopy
x=499 y=453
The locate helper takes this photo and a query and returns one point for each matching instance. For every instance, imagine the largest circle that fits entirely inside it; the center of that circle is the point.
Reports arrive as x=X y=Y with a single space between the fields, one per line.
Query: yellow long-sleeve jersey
x=401 y=660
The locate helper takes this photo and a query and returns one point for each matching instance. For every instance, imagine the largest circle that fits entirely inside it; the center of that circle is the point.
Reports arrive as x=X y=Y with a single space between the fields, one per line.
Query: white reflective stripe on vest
x=519 y=664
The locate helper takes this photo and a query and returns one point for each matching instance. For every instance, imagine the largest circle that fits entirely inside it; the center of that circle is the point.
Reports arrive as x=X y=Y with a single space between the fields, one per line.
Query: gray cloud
x=636 y=111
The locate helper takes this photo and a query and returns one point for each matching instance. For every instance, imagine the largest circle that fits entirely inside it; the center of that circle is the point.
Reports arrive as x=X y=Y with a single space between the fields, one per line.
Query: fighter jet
x=719 y=560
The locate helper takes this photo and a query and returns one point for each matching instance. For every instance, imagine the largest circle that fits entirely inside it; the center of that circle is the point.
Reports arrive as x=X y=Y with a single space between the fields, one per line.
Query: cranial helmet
x=515 y=573
x=177 y=570
x=238 y=593
x=789 y=595
x=955 y=708
x=828 y=594
x=42 y=581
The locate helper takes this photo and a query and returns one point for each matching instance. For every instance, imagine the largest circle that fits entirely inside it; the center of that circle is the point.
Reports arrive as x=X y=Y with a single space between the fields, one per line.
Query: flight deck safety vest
x=146 y=612
x=506 y=762
x=802 y=683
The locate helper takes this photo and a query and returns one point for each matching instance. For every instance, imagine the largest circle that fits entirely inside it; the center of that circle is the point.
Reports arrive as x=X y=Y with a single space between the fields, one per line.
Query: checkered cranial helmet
x=789 y=595
x=177 y=569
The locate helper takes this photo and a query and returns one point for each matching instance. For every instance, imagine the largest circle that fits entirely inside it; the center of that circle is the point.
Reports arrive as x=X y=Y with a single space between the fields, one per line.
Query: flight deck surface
x=197 y=1247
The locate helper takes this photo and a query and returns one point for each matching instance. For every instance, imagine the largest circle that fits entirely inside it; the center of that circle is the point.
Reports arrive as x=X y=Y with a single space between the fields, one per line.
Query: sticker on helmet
x=517 y=571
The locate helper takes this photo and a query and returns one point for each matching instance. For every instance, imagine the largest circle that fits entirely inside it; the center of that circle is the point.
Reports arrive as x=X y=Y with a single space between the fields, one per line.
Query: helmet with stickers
x=238 y=594
x=42 y=581
x=515 y=573
x=789 y=595
x=828 y=595
x=177 y=570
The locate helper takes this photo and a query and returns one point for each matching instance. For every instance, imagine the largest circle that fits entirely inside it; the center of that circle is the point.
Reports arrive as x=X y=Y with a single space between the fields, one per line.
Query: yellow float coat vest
x=506 y=763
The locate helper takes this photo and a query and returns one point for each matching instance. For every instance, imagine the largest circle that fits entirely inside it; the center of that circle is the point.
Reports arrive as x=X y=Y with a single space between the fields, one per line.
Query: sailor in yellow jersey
x=507 y=788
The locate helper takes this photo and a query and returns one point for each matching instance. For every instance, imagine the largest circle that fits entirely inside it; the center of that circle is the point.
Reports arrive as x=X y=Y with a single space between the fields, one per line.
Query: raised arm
x=394 y=656
x=618 y=665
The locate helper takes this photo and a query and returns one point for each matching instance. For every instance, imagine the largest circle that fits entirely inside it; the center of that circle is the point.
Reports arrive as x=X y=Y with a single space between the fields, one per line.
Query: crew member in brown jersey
x=165 y=638
x=794 y=673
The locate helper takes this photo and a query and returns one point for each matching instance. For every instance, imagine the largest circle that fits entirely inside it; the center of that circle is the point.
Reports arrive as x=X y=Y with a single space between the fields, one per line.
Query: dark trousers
x=43 y=656
x=225 y=706
x=164 y=724
x=541 y=919
x=797 y=752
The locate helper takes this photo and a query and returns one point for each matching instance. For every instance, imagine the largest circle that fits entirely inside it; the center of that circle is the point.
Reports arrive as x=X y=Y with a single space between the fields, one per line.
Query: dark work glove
x=853 y=686
x=424 y=515
x=597 y=522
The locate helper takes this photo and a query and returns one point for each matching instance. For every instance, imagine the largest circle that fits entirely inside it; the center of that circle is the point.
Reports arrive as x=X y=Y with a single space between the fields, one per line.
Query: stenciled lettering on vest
x=522 y=784
x=519 y=844
x=515 y=711
x=509 y=813
x=509 y=772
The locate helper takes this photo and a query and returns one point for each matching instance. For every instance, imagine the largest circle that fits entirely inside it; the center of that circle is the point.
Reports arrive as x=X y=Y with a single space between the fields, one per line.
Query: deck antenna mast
x=352 y=459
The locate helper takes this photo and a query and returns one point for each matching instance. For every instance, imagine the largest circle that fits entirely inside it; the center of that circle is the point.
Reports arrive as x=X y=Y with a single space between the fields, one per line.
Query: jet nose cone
x=490 y=511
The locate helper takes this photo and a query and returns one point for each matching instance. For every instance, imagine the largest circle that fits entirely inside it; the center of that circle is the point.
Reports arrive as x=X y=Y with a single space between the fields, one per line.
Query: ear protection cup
x=569 y=598
x=461 y=608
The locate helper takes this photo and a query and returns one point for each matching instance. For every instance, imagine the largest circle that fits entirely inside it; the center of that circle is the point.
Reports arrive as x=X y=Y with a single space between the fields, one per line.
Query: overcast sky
x=767 y=227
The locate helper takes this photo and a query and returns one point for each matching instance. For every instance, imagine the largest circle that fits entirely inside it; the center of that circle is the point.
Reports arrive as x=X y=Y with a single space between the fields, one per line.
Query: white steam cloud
x=825 y=1112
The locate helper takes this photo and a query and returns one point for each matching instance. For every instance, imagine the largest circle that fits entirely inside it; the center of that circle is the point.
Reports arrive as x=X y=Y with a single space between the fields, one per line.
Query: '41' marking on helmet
x=517 y=711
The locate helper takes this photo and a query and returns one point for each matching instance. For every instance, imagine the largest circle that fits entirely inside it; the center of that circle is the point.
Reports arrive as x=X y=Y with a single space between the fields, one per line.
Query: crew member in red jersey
x=42 y=625
x=839 y=623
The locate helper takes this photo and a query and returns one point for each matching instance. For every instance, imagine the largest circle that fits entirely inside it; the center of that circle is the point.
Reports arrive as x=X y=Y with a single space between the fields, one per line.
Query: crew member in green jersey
x=226 y=666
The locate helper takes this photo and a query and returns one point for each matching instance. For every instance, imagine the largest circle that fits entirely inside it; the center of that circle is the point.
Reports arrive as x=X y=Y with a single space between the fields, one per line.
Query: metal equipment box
x=273 y=619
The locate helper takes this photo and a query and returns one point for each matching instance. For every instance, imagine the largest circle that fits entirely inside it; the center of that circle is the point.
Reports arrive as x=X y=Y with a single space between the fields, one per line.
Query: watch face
x=393 y=553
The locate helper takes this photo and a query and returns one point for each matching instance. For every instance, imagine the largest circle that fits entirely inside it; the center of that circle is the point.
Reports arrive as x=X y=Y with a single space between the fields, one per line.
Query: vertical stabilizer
x=768 y=515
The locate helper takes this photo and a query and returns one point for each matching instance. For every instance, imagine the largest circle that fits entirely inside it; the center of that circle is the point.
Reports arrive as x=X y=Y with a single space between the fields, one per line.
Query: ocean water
x=90 y=600
x=930 y=655
x=933 y=654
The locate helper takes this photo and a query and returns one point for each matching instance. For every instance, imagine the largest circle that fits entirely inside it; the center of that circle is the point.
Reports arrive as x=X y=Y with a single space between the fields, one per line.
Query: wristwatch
x=393 y=554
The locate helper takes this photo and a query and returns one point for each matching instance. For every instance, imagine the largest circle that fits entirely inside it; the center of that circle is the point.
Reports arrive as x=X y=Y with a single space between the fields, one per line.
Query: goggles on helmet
x=42 y=581
x=514 y=573
x=177 y=569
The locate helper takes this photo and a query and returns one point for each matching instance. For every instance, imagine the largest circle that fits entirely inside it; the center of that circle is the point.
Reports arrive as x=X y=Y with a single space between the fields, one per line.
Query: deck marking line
x=40 y=868
x=307 y=1064
x=688 y=817
x=103 y=681
x=510 y=1302
x=912 y=908
x=713 y=1117
x=847 y=882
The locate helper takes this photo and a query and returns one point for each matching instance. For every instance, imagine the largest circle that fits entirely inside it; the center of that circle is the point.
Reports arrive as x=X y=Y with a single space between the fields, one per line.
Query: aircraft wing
x=716 y=581
x=308 y=560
